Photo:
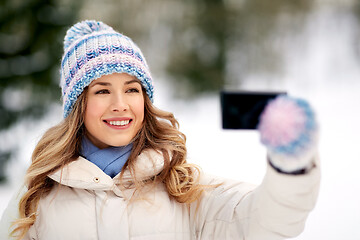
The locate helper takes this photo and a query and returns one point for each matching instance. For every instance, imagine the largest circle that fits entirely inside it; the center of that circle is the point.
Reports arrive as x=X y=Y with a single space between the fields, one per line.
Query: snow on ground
x=326 y=73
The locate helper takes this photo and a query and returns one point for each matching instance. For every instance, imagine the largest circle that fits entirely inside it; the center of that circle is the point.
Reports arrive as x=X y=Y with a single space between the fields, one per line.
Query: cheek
x=138 y=109
x=94 y=110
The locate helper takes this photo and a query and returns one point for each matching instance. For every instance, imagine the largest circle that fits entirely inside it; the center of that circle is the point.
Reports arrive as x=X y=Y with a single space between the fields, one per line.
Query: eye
x=132 y=90
x=102 y=91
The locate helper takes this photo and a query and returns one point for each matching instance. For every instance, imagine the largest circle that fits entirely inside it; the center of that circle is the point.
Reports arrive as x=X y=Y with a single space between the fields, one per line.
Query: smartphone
x=242 y=109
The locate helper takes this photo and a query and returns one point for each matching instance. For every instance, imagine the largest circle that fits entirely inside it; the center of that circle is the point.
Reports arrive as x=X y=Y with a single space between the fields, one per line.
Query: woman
x=115 y=167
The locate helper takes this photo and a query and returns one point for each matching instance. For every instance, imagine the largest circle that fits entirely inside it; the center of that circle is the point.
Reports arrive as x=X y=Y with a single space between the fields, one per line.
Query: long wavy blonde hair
x=61 y=145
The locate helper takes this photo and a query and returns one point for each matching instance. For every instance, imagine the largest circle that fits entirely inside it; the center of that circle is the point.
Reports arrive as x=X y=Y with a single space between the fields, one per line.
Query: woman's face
x=114 y=110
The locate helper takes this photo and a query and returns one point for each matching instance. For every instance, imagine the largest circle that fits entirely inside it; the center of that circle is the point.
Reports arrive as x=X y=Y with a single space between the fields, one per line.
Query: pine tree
x=31 y=34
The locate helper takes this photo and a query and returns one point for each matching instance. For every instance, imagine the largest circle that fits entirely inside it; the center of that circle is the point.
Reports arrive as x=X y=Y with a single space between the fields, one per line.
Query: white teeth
x=119 y=123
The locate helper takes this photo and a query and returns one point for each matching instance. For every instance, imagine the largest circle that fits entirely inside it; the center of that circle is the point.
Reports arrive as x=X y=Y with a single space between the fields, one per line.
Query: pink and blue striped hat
x=93 y=49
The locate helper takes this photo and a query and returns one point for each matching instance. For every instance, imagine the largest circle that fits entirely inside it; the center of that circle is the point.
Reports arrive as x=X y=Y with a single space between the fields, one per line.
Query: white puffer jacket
x=87 y=204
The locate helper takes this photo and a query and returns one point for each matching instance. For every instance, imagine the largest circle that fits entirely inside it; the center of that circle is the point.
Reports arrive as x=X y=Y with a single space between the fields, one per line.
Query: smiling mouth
x=119 y=123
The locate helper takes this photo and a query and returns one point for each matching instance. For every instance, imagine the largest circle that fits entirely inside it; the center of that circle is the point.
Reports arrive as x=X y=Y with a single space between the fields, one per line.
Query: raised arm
x=278 y=208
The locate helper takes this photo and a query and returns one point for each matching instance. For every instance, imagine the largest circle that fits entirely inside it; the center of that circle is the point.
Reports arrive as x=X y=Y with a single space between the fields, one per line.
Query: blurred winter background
x=309 y=48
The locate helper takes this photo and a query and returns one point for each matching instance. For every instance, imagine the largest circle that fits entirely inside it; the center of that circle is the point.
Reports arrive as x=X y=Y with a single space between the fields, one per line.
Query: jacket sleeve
x=11 y=214
x=276 y=209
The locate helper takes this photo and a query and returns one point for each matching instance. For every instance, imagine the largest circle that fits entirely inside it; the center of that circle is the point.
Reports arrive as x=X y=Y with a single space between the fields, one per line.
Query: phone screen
x=241 y=110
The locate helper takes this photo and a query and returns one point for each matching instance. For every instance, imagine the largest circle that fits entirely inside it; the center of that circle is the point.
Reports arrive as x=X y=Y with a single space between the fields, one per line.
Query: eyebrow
x=132 y=81
x=100 y=83
x=109 y=84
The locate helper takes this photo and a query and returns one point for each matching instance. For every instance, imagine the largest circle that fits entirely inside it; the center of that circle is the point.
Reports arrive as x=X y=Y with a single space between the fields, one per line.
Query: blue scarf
x=111 y=160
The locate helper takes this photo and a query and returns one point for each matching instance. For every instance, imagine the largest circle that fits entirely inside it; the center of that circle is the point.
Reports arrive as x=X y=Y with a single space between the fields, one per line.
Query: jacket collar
x=81 y=173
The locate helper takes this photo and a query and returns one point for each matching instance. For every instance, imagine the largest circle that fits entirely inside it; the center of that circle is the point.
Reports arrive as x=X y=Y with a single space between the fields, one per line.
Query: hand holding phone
x=288 y=129
x=287 y=126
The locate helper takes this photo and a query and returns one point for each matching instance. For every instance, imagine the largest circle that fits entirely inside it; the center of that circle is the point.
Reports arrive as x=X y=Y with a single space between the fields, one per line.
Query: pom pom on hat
x=93 y=49
x=82 y=29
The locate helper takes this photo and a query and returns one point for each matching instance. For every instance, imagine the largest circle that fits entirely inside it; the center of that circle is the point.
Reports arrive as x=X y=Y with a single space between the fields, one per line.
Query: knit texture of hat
x=93 y=49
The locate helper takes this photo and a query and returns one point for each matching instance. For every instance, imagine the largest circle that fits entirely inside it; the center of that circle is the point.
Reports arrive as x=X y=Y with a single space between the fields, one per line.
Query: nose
x=119 y=103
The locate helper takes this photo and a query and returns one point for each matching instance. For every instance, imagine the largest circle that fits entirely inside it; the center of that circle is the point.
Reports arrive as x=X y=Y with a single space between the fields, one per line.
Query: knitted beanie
x=93 y=49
